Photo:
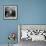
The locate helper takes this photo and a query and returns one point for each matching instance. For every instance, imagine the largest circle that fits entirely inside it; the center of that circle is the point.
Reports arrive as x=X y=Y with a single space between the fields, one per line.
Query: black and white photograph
x=33 y=32
x=10 y=12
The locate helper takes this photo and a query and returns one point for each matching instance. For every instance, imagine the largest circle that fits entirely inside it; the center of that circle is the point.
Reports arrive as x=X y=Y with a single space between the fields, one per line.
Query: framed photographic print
x=10 y=12
x=32 y=32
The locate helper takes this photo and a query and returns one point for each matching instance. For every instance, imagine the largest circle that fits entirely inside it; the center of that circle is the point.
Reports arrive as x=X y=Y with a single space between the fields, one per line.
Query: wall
x=29 y=12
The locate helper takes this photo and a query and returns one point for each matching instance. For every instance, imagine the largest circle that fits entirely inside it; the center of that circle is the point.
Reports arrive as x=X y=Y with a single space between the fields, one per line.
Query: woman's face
x=9 y=12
